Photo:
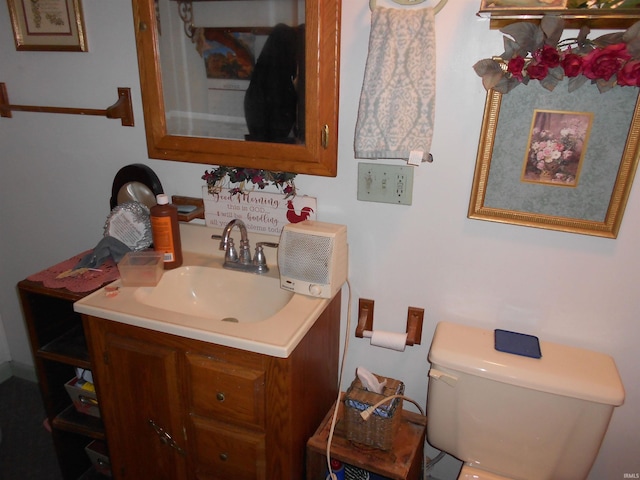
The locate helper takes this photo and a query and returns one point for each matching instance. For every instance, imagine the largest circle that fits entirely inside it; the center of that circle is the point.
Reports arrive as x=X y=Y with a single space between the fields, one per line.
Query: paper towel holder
x=415 y=317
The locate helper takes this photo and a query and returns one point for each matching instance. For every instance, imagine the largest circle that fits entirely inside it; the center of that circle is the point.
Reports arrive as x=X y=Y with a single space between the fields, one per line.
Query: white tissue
x=369 y=380
x=392 y=340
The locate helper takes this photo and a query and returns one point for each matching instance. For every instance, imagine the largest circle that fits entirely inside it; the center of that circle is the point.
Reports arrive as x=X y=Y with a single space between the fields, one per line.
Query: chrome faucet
x=241 y=260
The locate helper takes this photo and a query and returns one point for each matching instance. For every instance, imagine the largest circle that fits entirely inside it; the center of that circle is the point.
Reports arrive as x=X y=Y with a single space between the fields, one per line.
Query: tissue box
x=97 y=452
x=141 y=269
x=380 y=428
x=83 y=396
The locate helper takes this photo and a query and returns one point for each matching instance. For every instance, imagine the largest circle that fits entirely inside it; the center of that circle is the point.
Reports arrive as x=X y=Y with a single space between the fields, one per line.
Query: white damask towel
x=397 y=102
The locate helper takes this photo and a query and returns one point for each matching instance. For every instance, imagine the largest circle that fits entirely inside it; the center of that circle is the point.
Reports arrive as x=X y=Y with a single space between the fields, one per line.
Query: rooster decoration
x=294 y=217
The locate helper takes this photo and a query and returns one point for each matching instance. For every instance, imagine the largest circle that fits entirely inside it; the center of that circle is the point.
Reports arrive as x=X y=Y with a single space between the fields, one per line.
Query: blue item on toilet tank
x=517 y=343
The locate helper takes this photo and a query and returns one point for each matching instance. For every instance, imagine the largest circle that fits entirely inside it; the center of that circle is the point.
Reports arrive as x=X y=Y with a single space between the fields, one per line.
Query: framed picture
x=48 y=25
x=488 y=5
x=556 y=159
x=229 y=54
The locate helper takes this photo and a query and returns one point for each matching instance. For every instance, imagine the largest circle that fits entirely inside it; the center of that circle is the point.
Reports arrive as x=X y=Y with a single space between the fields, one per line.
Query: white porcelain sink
x=203 y=301
x=216 y=294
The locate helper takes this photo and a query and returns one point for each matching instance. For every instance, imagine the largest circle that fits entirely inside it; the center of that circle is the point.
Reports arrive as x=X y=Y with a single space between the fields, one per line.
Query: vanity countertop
x=277 y=335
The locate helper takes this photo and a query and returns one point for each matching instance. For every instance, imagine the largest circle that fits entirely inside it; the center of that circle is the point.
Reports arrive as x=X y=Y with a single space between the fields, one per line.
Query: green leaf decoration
x=609 y=39
x=528 y=35
x=552 y=26
x=583 y=34
x=632 y=33
x=512 y=49
x=576 y=82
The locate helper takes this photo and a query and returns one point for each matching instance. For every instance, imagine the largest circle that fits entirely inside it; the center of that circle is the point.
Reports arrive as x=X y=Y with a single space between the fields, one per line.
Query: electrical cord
x=331 y=475
x=366 y=413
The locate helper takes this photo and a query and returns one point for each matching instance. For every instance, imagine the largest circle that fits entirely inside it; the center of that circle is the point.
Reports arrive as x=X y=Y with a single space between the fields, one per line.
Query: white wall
x=56 y=174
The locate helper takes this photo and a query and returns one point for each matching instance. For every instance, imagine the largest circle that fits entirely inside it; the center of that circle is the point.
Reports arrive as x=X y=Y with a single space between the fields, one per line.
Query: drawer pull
x=224 y=457
x=220 y=396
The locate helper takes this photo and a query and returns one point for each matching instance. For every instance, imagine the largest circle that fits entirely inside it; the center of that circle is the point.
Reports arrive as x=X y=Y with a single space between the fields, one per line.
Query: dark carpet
x=26 y=448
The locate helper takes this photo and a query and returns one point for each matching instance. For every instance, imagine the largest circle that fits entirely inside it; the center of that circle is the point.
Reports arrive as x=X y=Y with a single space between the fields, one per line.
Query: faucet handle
x=223 y=245
x=231 y=254
x=259 y=260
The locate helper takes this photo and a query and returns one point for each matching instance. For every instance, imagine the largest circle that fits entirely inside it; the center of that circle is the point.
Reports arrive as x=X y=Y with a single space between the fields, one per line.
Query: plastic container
x=141 y=269
x=166 y=232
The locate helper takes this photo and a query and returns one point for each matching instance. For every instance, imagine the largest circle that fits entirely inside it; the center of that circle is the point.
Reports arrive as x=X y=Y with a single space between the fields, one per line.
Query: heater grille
x=306 y=257
x=313 y=258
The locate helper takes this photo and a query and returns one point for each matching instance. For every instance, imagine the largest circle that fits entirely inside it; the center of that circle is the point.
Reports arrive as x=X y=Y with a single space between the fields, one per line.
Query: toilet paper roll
x=392 y=340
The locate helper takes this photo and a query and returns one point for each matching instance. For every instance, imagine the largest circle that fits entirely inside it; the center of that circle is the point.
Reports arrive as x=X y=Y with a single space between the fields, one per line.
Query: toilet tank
x=519 y=417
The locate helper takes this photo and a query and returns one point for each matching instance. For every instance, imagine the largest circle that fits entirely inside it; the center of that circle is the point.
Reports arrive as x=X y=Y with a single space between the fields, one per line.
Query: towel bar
x=436 y=9
x=122 y=109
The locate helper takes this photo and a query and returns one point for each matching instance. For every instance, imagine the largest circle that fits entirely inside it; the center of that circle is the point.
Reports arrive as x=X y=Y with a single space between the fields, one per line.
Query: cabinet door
x=138 y=385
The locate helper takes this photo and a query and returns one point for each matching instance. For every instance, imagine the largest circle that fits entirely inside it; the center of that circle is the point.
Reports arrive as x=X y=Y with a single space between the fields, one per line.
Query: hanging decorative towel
x=397 y=103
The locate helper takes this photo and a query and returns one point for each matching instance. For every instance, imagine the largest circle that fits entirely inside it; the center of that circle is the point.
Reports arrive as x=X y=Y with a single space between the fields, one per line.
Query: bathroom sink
x=216 y=294
x=202 y=301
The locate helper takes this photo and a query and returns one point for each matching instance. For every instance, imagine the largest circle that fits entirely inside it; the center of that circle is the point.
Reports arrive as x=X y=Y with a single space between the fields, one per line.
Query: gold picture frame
x=596 y=204
x=48 y=25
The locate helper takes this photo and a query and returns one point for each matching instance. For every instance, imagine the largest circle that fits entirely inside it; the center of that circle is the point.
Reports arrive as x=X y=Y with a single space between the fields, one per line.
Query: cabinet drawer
x=226 y=391
x=228 y=453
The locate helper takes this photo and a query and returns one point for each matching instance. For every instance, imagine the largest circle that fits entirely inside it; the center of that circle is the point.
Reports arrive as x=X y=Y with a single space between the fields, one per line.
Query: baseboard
x=20 y=370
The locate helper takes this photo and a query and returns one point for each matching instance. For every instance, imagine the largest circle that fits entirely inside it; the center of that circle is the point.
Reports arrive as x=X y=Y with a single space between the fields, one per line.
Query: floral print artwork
x=557 y=145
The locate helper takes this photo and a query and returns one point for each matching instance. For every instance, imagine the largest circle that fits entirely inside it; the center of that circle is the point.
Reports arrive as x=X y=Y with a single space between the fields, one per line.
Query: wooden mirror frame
x=317 y=156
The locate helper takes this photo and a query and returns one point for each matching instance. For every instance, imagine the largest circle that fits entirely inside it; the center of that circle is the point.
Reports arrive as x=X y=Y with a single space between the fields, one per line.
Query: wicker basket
x=379 y=430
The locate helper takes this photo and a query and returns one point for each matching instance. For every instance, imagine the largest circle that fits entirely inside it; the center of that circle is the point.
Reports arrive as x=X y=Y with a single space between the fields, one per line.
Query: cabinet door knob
x=224 y=457
x=220 y=396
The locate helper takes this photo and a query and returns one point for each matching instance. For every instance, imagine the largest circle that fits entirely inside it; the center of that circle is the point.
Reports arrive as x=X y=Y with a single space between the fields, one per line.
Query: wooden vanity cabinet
x=177 y=408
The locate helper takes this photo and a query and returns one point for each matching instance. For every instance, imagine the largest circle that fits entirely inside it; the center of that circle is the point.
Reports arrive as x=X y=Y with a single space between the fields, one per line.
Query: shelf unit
x=616 y=18
x=58 y=346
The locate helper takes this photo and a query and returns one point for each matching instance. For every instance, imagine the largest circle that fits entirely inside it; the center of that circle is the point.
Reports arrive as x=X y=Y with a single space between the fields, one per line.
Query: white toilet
x=511 y=417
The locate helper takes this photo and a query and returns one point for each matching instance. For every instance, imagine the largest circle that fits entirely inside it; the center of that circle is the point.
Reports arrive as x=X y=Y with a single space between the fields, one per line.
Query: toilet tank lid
x=562 y=370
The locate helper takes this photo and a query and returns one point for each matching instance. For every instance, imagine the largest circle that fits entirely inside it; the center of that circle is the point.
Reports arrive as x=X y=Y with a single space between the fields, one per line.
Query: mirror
x=245 y=83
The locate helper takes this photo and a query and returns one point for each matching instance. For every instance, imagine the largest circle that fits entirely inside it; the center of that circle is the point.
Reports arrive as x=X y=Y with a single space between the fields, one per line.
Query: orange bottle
x=166 y=232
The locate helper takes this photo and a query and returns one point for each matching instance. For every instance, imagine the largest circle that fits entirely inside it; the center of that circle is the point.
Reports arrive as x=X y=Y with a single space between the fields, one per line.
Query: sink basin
x=203 y=301
x=216 y=294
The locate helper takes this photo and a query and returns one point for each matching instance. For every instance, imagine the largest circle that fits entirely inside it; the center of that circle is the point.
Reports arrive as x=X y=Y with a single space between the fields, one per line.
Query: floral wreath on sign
x=222 y=177
x=536 y=52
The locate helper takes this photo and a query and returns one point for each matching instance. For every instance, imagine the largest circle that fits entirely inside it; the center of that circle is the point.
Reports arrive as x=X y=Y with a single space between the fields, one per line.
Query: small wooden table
x=402 y=462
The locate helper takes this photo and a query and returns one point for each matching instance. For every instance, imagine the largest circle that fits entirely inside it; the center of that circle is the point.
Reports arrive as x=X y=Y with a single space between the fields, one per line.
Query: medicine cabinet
x=245 y=83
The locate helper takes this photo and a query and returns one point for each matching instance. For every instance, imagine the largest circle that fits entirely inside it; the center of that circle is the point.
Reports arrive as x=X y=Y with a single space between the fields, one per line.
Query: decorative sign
x=261 y=212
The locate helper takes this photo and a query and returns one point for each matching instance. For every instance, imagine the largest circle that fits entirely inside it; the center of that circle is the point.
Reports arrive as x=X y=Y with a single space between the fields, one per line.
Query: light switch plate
x=385 y=183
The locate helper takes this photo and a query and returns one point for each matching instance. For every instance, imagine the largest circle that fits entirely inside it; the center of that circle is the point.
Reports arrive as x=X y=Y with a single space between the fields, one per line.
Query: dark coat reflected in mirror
x=271 y=101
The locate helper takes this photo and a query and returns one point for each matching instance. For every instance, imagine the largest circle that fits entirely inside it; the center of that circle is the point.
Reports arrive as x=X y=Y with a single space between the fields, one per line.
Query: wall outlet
x=385 y=183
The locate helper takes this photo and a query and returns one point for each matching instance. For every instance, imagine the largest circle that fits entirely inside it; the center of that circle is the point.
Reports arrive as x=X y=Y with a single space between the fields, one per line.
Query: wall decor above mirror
x=243 y=83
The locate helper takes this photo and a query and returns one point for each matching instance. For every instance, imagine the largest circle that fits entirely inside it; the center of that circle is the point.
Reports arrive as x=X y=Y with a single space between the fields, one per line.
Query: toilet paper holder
x=415 y=316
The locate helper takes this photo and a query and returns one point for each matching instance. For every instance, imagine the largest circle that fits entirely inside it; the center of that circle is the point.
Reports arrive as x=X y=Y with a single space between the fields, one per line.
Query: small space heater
x=313 y=258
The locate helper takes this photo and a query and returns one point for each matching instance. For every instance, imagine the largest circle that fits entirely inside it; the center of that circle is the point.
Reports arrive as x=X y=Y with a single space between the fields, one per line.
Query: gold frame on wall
x=596 y=205
x=48 y=25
